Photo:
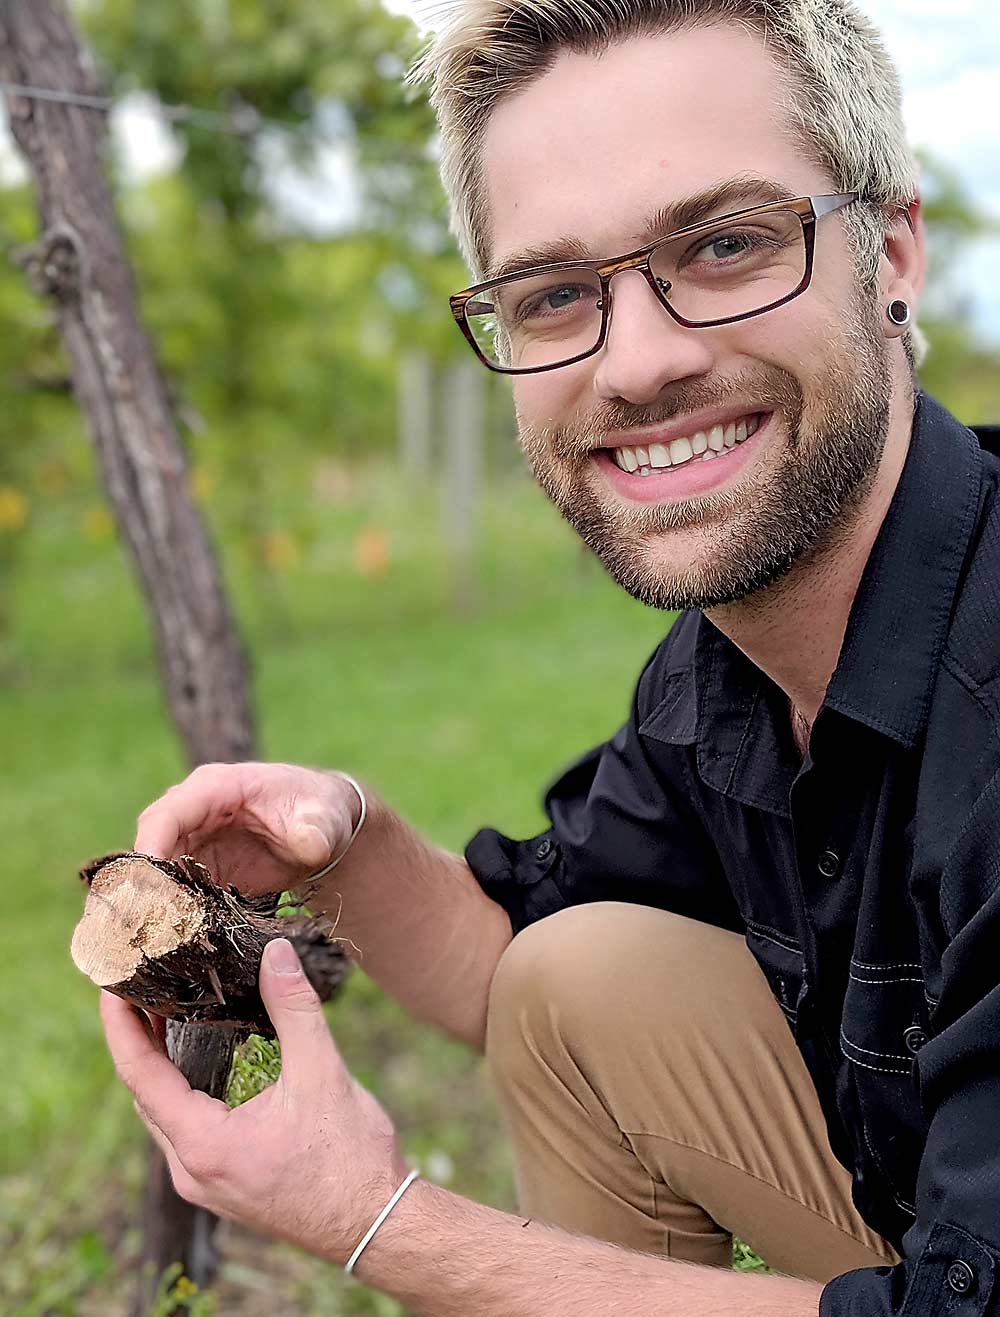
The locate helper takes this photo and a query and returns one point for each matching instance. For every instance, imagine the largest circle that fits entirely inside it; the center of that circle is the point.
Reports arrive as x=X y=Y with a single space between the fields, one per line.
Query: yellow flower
x=13 y=508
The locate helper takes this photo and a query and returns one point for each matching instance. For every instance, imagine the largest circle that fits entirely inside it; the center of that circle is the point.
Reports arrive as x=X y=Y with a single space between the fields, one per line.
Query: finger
x=310 y=836
x=152 y=1078
x=155 y=1133
x=158 y=1029
x=297 y=821
x=309 y=1055
x=207 y=799
x=184 y=1183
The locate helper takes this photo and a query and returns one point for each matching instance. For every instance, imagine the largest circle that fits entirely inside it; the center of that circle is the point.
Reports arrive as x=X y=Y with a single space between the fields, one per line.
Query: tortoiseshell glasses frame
x=808 y=210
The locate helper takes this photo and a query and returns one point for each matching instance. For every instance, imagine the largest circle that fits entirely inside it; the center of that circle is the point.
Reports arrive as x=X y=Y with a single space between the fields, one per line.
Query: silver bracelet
x=369 y=1235
x=321 y=873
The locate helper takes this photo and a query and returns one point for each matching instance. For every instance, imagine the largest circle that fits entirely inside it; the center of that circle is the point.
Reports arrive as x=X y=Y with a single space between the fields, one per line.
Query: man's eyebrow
x=550 y=253
x=737 y=193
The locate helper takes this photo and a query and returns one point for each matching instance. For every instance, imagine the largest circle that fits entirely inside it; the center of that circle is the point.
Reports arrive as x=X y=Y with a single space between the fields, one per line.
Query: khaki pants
x=655 y=1097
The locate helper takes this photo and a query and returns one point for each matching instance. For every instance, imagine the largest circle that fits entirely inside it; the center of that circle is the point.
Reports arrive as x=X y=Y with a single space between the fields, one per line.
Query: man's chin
x=677 y=570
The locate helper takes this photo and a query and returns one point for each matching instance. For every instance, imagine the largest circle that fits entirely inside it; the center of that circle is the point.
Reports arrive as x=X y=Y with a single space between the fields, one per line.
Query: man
x=754 y=986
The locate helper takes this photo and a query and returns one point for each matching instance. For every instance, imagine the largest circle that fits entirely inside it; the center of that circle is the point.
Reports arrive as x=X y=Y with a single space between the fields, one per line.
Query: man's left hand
x=312 y=1159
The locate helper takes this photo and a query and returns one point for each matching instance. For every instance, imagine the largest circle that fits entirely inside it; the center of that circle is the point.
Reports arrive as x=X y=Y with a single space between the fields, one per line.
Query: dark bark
x=79 y=264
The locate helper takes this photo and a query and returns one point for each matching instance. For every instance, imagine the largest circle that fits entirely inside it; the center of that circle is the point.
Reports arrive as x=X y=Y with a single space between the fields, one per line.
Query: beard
x=795 y=505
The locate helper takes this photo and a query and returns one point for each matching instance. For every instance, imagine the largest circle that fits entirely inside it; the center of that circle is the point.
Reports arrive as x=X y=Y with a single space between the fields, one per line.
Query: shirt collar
x=898 y=623
x=895 y=633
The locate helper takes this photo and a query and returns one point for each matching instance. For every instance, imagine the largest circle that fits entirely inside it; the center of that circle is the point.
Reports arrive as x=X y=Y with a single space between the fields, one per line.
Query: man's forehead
x=598 y=144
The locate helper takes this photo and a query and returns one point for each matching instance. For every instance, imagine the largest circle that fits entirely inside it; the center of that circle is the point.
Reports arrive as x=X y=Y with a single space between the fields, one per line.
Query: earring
x=899 y=312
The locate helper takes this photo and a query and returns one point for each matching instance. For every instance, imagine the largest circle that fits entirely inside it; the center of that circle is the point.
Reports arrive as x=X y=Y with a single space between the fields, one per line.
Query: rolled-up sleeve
x=952 y=1252
x=622 y=828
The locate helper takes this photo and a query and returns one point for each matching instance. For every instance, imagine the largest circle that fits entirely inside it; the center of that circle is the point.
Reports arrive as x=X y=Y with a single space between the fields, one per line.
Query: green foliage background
x=281 y=349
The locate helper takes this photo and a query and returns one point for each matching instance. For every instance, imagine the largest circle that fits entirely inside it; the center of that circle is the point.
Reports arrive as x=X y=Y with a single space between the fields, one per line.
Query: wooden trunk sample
x=164 y=936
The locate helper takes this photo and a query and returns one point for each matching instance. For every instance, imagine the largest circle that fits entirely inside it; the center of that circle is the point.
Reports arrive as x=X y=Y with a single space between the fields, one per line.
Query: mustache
x=769 y=389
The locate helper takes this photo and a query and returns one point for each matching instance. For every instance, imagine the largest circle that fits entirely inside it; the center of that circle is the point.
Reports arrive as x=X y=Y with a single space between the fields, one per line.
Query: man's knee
x=588 y=973
x=545 y=989
x=543 y=971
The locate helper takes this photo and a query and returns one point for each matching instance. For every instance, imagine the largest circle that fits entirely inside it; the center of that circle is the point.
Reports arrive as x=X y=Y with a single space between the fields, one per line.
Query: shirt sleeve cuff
x=521 y=876
x=954 y=1274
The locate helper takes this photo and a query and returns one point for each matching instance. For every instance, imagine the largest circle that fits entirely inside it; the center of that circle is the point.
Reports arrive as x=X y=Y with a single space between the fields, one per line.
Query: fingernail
x=281 y=957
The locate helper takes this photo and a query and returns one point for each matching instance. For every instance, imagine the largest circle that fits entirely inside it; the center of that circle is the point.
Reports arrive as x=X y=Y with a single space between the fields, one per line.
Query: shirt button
x=961 y=1277
x=829 y=864
x=914 y=1038
x=543 y=849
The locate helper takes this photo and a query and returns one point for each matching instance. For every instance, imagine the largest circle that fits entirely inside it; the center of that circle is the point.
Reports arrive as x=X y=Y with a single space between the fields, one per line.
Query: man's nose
x=646 y=349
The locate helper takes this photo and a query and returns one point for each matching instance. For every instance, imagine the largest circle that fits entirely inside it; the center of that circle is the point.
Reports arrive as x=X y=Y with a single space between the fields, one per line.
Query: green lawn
x=457 y=720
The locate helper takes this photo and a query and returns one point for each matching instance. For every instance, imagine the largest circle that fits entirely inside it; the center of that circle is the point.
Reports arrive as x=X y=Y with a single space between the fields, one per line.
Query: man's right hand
x=259 y=827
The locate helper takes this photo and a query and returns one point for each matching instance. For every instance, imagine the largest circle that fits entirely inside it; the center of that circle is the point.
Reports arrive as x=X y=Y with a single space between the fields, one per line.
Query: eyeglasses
x=712 y=273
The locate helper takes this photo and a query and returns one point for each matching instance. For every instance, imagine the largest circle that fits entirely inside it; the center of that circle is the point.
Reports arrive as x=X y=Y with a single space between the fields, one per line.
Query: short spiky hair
x=840 y=89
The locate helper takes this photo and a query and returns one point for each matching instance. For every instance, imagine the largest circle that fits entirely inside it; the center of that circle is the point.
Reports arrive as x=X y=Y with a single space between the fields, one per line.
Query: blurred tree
x=78 y=263
x=276 y=338
x=331 y=75
x=958 y=369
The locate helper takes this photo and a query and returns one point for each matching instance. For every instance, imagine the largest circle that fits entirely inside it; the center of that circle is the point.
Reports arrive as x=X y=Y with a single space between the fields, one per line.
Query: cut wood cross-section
x=164 y=936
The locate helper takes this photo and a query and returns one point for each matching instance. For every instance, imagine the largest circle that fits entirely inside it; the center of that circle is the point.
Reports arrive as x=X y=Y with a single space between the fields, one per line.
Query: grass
x=457 y=719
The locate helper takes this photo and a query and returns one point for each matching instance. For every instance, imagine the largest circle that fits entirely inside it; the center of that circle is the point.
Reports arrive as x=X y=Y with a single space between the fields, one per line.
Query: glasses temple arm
x=825 y=205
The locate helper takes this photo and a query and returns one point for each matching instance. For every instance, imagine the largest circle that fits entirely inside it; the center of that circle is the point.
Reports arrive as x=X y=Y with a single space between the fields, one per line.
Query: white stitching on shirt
x=879 y=1069
x=868 y=1051
x=890 y=1056
x=891 y=964
x=755 y=930
x=876 y=983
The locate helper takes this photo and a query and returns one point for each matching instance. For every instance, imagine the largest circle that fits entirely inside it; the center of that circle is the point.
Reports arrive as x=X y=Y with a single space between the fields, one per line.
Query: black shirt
x=865 y=878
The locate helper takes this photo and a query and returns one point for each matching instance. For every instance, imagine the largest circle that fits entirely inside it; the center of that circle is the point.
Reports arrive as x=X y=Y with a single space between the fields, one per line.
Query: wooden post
x=464 y=407
x=79 y=263
x=415 y=415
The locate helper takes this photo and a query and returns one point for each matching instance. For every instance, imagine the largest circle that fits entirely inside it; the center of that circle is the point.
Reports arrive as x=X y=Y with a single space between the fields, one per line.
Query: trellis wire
x=238 y=123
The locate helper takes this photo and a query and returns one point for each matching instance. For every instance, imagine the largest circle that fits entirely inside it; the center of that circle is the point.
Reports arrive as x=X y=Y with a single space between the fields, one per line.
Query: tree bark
x=79 y=263
x=164 y=936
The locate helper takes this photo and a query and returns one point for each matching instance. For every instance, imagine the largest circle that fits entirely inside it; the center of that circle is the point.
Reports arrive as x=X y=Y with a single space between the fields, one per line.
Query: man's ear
x=904 y=261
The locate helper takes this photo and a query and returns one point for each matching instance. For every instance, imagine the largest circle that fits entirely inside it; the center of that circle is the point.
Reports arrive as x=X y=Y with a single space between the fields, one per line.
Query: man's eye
x=552 y=300
x=731 y=246
x=560 y=297
x=726 y=246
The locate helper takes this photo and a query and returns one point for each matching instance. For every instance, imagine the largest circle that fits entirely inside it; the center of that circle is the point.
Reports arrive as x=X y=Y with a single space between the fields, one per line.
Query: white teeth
x=680 y=451
x=702 y=445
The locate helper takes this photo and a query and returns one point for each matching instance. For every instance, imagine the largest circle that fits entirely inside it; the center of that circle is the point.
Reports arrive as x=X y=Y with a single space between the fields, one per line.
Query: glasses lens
x=539 y=320
x=734 y=268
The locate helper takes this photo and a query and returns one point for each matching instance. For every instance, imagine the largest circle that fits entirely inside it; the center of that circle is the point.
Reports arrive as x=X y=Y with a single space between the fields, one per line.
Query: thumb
x=310 y=837
x=297 y=1016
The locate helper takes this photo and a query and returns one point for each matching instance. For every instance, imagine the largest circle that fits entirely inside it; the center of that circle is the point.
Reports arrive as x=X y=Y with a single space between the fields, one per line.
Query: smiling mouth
x=703 y=446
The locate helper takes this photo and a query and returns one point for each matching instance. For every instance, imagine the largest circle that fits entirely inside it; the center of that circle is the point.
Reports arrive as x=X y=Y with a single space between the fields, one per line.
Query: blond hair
x=841 y=92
